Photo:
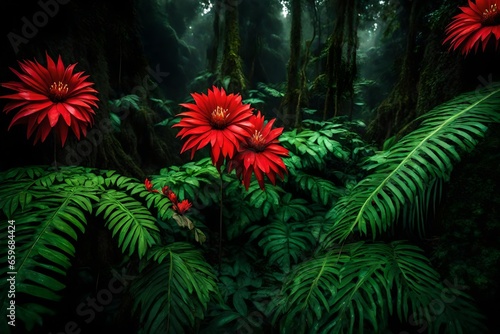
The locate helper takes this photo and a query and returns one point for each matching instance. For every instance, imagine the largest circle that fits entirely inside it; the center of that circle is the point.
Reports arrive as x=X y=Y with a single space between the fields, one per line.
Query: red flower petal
x=261 y=154
x=217 y=119
x=51 y=97
x=475 y=26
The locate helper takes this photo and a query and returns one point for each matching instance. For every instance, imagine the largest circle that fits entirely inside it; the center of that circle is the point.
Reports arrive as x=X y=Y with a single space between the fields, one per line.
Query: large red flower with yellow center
x=476 y=25
x=51 y=97
x=217 y=119
x=260 y=153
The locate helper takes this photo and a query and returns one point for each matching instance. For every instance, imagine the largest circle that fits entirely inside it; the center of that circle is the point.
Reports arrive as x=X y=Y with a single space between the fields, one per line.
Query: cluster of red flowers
x=477 y=24
x=51 y=97
x=179 y=207
x=235 y=134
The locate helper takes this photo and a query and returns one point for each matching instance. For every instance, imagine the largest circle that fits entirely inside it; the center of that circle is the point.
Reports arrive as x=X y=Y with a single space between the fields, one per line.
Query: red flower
x=182 y=207
x=260 y=154
x=51 y=97
x=170 y=194
x=149 y=186
x=219 y=119
x=476 y=25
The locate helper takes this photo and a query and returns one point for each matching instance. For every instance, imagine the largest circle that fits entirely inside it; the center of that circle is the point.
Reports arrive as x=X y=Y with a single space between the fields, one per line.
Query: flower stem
x=55 y=153
x=220 y=221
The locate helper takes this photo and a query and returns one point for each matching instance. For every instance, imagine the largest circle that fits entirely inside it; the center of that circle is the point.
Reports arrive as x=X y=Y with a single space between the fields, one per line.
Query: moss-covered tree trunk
x=442 y=73
x=291 y=105
x=213 y=52
x=231 y=61
x=341 y=60
x=399 y=107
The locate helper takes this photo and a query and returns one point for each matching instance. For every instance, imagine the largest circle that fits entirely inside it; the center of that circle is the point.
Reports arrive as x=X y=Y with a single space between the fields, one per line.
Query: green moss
x=231 y=62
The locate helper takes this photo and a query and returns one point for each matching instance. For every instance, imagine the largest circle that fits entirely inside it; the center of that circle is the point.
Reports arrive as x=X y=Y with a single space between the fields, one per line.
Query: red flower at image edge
x=51 y=97
x=476 y=25
x=217 y=119
x=260 y=153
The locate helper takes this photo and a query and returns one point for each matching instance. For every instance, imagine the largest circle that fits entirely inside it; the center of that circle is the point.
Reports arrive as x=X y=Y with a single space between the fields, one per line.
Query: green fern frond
x=321 y=190
x=296 y=208
x=357 y=289
x=306 y=293
x=19 y=173
x=293 y=163
x=412 y=165
x=117 y=181
x=173 y=292
x=126 y=102
x=300 y=144
x=284 y=242
x=45 y=233
x=21 y=185
x=239 y=214
x=193 y=180
x=161 y=203
x=265 y=200
x=318 y=225
x=271 y=91
x=326 y=140
x=51 y=208
x=16 y=193
x=129 y=220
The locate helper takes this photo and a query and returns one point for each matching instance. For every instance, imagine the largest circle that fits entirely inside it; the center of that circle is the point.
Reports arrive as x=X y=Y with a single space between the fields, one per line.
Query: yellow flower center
x=219 y=118
x=257 y=141
x=491 y=16
x=58 y=91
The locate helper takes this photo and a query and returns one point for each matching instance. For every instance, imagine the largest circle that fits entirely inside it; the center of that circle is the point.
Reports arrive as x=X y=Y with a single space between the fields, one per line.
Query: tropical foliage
x=318 y=252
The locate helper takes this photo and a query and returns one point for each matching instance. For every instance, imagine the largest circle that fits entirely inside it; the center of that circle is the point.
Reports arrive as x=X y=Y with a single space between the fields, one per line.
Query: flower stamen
x=58 y=91
x=257 y=141
x=491 y=16
x=219 y=117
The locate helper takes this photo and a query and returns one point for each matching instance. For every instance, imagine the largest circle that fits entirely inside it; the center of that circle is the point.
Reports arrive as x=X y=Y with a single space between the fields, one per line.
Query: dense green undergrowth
x=320 y=252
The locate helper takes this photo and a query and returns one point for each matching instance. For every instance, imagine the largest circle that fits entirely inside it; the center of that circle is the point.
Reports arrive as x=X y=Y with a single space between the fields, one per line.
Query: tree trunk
x=213 y=52
x=231 y=61
x=341 y=60
x=398 y=109
x=291 y=103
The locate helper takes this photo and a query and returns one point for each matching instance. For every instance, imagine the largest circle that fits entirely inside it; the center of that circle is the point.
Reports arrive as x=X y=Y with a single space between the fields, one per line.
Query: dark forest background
x=379 y=61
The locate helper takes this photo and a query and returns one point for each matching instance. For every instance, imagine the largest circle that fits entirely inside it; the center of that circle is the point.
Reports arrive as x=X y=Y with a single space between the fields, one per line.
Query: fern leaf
x=307 y=292
x=356 y=289
x=19 y=173
x=284 y=242
x=45 y=233
x=413 y=164
x=194 y=181
x=239 y=215
x=174 y=290
x=264 y=200
x=21 y=185
x=296 y=208
x=126 y=102
x=129 y=220
x=321 y=190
